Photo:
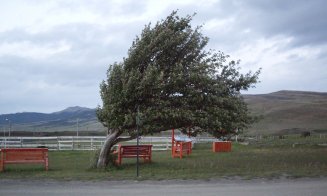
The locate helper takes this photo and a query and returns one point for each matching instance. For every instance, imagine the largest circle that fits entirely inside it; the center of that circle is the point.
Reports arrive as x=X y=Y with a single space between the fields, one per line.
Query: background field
x=288 y=112
x=292 y=157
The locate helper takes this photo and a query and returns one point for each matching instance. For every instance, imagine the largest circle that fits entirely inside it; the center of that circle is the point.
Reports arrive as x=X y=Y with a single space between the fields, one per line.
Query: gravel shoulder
x=235 y=186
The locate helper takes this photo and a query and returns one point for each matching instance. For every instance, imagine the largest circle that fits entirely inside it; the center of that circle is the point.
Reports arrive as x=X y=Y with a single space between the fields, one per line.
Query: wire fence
x=83 y=142
x=159 y=143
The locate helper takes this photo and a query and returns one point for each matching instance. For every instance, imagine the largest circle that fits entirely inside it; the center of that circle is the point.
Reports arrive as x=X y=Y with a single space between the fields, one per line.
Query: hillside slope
x=289 y=112
x=65 y=120
x=282 y=112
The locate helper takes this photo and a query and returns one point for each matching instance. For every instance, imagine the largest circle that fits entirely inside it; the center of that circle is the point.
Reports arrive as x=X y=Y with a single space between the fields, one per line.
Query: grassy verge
x=250 y=161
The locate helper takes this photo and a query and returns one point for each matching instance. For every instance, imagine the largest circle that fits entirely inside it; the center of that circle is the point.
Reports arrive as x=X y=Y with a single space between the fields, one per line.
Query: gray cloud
x=53 y=63
x=302 y=20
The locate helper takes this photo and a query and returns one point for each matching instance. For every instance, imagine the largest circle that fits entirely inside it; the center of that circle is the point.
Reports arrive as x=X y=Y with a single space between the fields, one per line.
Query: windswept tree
x=174 y=83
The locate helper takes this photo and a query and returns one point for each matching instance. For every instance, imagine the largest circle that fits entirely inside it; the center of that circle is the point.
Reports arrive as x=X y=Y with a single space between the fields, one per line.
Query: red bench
x=23 y=155
x=130 y=151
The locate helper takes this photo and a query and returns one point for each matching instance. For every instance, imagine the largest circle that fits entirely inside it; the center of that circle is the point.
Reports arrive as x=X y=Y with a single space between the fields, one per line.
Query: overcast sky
x=54 y=54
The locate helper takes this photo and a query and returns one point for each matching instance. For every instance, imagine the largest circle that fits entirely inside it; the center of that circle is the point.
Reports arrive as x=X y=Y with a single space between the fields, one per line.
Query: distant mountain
x=282 y=112
x=65 y=120
x=75 y=109
x=286 y=112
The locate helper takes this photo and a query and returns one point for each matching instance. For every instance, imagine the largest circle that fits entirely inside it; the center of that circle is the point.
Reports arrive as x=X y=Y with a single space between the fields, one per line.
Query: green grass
x=289 y=140
x=252 y=161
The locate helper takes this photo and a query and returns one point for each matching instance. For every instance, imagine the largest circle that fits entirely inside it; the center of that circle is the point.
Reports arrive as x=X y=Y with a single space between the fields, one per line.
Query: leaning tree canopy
x=175 y=83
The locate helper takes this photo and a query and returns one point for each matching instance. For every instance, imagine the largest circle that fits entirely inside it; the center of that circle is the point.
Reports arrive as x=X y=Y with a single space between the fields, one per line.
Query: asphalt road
x=260 y=187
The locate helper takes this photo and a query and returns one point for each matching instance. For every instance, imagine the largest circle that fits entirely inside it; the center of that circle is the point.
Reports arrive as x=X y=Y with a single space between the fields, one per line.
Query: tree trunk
x=105 y=150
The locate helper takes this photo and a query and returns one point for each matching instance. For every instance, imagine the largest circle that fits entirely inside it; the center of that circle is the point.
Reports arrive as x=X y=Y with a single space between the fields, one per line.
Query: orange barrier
x=130 y=151
x=24 y=155
x=179 y=148
x=222 y=146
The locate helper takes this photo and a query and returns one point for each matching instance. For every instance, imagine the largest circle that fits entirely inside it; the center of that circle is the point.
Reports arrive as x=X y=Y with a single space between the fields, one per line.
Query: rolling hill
x=285 y=112
x=66 y=120
x=282 y=112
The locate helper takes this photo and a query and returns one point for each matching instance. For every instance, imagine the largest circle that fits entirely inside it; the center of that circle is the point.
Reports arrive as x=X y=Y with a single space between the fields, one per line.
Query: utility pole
x=77 y=127
x=9 y=126
x=138 y=122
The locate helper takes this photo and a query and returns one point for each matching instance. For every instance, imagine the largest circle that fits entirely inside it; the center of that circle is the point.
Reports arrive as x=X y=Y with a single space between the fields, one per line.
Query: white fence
x=82 y=142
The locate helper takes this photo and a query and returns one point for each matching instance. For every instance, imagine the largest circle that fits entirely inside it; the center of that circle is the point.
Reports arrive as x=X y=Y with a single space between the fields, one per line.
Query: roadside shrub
x=305 y=134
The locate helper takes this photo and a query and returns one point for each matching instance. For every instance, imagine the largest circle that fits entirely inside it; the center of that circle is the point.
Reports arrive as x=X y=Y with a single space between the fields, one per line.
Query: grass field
x=286 y=112
x=268 y=160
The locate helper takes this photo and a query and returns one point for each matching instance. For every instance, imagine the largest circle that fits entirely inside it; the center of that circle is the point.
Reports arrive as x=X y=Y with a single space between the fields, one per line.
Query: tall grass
x=250 y=161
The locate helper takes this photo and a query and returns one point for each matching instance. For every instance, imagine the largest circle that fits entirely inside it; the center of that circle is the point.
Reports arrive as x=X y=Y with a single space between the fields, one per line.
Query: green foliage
x=175 y=83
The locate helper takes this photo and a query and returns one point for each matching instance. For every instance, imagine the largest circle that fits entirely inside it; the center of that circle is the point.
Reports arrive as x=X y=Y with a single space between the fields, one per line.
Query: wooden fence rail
x=75 y=143
x=84 y=142
x=95 y=142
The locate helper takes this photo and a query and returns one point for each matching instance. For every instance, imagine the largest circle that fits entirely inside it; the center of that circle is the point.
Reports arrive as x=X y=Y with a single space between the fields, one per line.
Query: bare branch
x=123 y=139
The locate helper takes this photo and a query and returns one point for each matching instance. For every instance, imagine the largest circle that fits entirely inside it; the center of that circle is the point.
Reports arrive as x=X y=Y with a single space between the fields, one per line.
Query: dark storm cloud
x=60 y=60
x=303 y=20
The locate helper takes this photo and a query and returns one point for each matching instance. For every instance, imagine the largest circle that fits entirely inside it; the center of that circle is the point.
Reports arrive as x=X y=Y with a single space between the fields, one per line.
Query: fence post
x=59 y=146
x=73 y=143
x=57 y=143
x=91 y=143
